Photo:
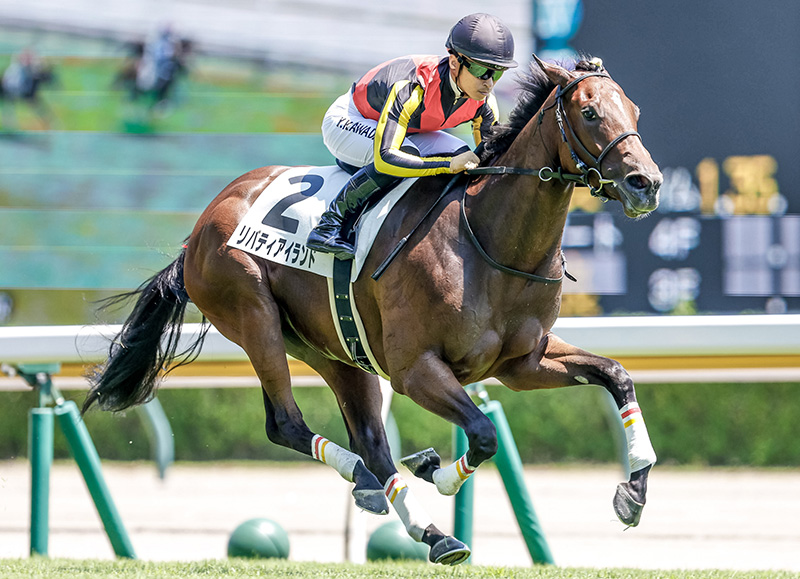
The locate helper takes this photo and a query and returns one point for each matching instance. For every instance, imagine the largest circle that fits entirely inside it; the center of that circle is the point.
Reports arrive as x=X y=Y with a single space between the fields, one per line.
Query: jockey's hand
x=468 y=160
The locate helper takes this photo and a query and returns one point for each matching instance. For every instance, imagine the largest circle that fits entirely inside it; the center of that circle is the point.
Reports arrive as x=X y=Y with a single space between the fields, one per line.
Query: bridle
x=589 y=173
x=591 y=176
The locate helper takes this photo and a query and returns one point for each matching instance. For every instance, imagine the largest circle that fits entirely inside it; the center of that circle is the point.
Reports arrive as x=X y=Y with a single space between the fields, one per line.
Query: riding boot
x=327 y=235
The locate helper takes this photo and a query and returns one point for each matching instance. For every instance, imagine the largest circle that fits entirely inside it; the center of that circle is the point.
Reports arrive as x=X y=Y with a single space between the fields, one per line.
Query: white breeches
x=350 y=136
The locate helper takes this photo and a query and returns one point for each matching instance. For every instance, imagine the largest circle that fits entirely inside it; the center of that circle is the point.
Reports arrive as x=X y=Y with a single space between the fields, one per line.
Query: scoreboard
x=717 y=85
x=700 y=252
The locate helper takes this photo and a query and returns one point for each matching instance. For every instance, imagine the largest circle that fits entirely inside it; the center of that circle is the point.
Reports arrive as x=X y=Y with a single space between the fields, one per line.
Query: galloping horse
x=140 y=78
x=473 y=295
x=21 y=81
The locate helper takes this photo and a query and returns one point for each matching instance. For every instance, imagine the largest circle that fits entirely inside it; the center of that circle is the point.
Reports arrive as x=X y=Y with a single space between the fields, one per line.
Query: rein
x=591 y=177
x=471 y=234
x=544 y=174
x=497 y=265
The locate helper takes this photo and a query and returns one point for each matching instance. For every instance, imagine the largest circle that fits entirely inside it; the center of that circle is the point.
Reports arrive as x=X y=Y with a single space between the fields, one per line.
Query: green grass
x=76 y=569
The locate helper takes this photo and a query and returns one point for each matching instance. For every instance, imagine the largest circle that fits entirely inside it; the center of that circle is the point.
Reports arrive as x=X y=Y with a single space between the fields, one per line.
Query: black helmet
x=482 y=37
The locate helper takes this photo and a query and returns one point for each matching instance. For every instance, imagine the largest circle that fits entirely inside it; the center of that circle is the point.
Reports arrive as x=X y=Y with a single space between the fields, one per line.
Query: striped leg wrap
x=640 y=450
x=450 y=478
x=414 y=517
x=343 y=461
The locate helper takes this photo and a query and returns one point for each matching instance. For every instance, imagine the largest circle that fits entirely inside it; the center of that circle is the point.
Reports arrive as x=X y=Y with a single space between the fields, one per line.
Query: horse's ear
x=559 y=75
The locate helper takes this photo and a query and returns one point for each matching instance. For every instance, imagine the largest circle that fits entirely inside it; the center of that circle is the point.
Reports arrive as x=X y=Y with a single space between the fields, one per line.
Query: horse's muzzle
x=639 y=193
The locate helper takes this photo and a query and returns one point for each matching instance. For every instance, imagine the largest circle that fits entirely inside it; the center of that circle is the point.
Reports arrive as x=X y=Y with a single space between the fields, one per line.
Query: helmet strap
x=454 y=80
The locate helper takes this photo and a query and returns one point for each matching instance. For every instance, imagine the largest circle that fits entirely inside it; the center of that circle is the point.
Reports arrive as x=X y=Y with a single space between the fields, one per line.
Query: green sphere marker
x=259 y=538
x=391 y=541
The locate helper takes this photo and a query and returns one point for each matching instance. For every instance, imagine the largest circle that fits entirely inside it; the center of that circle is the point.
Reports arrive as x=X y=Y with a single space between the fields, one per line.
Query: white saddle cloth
x=277 y=225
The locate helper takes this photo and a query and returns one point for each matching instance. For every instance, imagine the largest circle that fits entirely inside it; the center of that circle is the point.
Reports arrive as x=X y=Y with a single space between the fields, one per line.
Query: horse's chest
x=477 y=351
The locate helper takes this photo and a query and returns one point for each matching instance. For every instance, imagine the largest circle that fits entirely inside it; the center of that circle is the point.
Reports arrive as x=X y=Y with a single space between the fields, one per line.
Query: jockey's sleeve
x=404 y=99
x=486 y=118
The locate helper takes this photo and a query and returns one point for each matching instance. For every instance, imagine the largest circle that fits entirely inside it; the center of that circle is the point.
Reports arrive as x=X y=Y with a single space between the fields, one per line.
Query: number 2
x=275 y=217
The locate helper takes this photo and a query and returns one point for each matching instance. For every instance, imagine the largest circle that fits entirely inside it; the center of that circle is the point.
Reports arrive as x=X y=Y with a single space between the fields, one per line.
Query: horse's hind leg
x=360 y=400
x=367 y=492
x=284 y=421
x=237 y=302
x=567 y=365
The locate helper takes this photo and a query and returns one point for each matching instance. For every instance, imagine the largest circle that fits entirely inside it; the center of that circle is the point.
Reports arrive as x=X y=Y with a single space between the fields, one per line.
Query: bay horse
x=473 y=295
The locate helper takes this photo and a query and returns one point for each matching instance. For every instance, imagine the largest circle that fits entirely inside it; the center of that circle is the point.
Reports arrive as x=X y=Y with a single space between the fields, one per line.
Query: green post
x=85 y=454
x=465 y=498
x=510 y=466
x=160 y=434
x=40 y=453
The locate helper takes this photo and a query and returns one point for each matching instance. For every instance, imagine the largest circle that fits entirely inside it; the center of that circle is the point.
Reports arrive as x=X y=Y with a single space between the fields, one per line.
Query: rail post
x=465 y=498
x=509 y=465
x=159 y=432
x=85 y=454
x=40 y=452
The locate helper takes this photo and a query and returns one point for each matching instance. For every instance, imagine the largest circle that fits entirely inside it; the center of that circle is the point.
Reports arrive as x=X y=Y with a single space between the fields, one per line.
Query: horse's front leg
x=565 y=365
x=430 y=383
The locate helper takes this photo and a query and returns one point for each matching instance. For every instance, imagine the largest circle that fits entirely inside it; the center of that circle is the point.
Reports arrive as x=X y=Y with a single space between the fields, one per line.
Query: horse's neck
x=519 y=218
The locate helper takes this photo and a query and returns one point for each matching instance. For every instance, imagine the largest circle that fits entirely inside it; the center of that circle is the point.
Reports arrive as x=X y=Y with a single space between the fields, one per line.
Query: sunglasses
x=481 y=71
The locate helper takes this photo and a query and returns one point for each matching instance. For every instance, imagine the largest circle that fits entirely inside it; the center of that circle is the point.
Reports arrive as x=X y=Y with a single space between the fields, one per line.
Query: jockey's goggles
x=481 y=71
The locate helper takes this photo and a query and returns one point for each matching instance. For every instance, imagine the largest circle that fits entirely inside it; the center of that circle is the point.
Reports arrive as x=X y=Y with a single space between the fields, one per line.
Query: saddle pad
x=278 y=223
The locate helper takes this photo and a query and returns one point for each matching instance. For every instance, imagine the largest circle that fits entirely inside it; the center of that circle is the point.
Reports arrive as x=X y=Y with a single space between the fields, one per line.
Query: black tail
x=147 y=343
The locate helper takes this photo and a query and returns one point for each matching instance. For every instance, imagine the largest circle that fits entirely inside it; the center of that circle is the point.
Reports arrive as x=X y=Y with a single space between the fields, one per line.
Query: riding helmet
x=484 y=38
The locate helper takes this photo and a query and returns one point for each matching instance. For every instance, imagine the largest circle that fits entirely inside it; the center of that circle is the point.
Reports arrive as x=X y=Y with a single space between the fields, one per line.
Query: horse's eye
x=589 y=114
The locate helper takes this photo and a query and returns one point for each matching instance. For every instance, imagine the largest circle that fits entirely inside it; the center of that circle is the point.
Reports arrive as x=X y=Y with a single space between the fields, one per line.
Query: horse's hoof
x=449 y=551
x=628 y=510
x=423 y=463
x=368 y=492
x=371 y=500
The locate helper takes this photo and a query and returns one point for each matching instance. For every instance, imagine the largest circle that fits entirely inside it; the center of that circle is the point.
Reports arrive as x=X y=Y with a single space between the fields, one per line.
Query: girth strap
x=345 y=317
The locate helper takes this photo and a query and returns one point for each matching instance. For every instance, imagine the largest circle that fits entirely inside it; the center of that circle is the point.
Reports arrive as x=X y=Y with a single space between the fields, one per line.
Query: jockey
x=390 y=122
x=19 y=78
x=164 y=50
x=158 y=61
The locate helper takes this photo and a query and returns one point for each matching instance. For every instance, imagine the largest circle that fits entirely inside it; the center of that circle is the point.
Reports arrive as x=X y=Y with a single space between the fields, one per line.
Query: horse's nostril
x=638 y=182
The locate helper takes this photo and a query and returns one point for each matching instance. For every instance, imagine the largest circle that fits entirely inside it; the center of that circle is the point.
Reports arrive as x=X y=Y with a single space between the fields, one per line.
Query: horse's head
x=599 y=139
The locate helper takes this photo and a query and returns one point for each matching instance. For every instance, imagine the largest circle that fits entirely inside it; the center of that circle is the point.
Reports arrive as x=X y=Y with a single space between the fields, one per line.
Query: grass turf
x=278 y=569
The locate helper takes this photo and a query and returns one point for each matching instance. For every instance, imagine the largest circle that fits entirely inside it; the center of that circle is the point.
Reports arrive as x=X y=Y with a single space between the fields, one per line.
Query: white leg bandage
x=334 y=455
x=450 y=478
x=640 y=450
x=414 y=517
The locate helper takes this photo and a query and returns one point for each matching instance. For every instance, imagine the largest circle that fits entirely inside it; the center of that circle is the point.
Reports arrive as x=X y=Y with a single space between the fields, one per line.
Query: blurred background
x=136 y=113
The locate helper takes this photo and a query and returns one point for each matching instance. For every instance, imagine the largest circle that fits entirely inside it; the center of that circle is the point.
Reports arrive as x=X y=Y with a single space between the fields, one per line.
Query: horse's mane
x=534 y=87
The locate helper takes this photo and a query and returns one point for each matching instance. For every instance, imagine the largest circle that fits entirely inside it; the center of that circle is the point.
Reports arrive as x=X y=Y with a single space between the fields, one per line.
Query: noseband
x=591 y=176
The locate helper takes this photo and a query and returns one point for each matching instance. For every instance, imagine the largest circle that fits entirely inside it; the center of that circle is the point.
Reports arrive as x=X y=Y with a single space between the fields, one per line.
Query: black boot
x=326 y=236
